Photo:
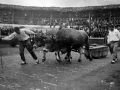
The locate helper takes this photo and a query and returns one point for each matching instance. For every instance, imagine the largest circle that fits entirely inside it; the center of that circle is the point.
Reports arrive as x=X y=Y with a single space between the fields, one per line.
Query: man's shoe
x=113 y=62
x=116 y=59
x=23 y=63
x=37 y=62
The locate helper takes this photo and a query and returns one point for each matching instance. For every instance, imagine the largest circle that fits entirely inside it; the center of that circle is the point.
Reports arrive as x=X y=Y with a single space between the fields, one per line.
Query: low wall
x=29 y=26
x=99 y=41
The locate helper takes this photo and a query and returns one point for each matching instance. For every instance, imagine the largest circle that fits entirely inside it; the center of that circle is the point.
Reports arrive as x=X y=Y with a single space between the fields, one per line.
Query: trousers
x=113 y=46
x=28 y=45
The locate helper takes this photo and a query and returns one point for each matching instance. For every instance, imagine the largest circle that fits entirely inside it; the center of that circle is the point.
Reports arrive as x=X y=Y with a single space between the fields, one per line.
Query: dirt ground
x=98 y=74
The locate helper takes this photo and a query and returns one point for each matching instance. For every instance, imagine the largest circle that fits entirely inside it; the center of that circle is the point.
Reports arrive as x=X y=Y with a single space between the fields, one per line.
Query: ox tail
x=87 y=52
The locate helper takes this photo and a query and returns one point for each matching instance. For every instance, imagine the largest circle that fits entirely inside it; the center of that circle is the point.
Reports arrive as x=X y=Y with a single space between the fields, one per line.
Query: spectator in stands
x=118 y=27
x=113 y=42
x=23 y=35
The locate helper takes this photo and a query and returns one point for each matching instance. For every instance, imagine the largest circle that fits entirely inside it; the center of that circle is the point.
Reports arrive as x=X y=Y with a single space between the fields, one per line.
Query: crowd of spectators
x=6 y=30
x=99 y=26
x=7 y=17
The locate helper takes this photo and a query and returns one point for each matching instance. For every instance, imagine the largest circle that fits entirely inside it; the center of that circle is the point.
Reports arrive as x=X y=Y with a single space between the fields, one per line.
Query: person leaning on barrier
x=23 y=36
x=113 y=39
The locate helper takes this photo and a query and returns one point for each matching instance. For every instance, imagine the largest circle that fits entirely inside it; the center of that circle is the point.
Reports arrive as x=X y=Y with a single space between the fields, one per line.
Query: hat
x=110 y=25
x=118 y=25
x=16 y=29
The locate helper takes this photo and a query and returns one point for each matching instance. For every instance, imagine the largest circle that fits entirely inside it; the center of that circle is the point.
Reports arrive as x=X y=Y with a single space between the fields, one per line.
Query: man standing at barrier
x=23 y=36
x=113 y=39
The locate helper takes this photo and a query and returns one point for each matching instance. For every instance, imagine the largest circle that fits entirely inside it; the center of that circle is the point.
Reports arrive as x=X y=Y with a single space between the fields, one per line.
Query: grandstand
x=27 y=15
x=43 y=17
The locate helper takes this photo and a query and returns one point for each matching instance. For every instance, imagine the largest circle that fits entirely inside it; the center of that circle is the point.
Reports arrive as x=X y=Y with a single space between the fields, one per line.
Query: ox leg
x=44 y=56
x=88 y=55
x=68 y=56
x=80 y=52
x=57 y=54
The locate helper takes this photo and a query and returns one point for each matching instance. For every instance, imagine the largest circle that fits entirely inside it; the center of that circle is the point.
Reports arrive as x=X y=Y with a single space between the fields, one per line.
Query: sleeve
x=27 y=31
x=118 y=34
x=108 y=38
x=10 y=37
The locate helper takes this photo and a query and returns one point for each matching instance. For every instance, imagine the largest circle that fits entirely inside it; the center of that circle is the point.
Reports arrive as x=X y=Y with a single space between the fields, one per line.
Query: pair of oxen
x=64 y=40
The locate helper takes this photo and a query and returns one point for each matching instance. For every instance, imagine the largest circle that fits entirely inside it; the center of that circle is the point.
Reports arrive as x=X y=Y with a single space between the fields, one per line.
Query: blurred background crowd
x=93 y=19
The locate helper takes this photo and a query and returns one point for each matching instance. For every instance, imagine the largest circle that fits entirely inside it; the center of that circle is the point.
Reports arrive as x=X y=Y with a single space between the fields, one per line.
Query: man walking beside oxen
x=113 y=39
x=23 y=36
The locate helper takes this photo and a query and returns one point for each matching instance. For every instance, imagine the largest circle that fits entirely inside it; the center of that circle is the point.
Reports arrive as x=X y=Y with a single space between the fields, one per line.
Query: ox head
x=50 y=44
x=39 y=40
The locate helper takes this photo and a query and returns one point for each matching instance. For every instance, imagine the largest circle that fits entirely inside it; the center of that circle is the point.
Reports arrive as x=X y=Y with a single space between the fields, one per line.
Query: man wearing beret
x=113 y=39
x=23 y=36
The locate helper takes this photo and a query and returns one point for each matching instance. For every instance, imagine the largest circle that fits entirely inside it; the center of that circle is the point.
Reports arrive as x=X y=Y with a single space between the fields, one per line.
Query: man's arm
x=118 y=34
x=108 y=38
x=10 y=37
x=27 y=31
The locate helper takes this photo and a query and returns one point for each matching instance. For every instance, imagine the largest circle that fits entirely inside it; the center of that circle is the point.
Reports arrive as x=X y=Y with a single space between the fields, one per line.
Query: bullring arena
x=98 y=74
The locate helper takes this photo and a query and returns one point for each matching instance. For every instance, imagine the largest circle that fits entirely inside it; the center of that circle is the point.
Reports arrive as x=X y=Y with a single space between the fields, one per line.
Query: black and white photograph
x=59 y=44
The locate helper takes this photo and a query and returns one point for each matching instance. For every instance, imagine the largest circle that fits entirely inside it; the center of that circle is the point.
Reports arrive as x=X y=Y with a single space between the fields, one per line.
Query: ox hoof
x=79 y=60
x=68 y=61
x=90 y=59
x=43 y=60
x=66 y=58
x=58 y=60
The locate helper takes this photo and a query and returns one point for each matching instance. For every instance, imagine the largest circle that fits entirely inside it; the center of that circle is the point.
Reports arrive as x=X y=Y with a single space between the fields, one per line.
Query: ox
x=65 y=41
x=39 y=42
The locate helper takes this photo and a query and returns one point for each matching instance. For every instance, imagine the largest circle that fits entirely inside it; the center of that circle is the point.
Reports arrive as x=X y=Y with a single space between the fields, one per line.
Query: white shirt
x=24 y=35
x=113 y=36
